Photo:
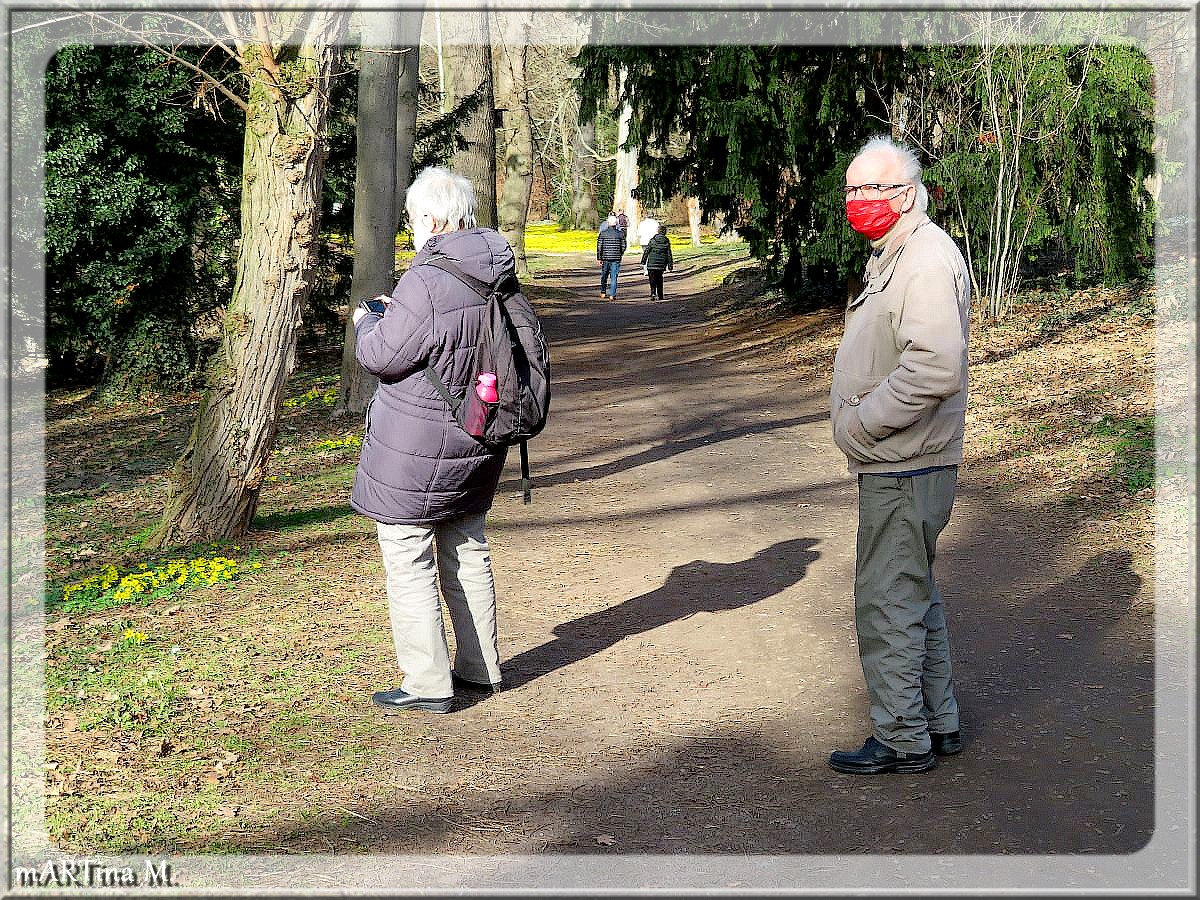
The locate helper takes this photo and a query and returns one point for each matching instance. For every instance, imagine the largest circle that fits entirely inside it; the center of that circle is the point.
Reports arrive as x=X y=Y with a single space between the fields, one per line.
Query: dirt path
x=678 y=647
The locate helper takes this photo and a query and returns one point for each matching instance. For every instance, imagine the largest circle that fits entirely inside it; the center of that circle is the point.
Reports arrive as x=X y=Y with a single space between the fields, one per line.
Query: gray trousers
x=902 y=637
x=417 y=558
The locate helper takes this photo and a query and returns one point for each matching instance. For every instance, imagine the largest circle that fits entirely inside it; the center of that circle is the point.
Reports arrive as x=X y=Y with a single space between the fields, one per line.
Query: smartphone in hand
x=374 y=306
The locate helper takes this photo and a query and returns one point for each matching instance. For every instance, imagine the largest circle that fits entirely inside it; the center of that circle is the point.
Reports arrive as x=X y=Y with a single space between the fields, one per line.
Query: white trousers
x=417 y=558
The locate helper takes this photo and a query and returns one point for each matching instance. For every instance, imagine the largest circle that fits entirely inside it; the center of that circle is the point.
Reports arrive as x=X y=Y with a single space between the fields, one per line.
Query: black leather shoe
x=946 y=744
x=479 y=686
x=875 y=759
x=398 y=701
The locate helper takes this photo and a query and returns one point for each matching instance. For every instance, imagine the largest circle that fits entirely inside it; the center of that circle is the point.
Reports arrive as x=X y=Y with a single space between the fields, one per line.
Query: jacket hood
x=482 y=253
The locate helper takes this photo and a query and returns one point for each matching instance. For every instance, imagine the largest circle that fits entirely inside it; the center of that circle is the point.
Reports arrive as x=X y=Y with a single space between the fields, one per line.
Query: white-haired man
x=427 y=484
x=610 y=247
x=898 y=406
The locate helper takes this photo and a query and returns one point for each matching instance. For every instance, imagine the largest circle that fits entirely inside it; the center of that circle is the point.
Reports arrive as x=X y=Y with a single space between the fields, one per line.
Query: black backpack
x=511 y=345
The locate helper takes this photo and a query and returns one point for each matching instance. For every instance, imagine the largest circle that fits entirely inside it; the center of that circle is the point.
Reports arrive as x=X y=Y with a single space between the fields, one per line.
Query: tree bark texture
x=584 y=214
x=512 y=89
x=468 y=57
x=627 y=173
x=375 y=201
x=214 y=488
x=406 y=106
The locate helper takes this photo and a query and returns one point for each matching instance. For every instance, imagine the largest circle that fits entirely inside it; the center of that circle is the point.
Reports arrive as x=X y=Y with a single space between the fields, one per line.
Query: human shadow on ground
x=732 y=788
x=665 y=450
x=697 y=586
x=1039 y=679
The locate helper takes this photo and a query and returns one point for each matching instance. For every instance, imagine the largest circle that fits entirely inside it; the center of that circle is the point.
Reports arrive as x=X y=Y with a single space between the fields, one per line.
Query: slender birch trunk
x=627 y=173
x=695 y=213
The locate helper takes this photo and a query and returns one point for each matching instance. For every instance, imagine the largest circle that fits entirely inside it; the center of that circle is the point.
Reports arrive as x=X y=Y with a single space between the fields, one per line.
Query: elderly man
x=898 y=407
x=426 y=483
x=610 y=247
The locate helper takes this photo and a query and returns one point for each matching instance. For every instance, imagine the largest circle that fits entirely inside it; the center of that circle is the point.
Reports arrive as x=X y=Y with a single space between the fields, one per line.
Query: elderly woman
x=426 y=483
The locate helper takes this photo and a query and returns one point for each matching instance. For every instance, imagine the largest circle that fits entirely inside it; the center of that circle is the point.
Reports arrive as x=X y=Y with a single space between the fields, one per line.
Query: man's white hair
x=906 y=159
x=447 y=197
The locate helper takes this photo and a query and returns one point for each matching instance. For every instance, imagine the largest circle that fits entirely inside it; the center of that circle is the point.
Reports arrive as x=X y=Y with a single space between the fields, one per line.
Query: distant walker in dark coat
x=656 y=259
x=427 y=484
x=610 y=247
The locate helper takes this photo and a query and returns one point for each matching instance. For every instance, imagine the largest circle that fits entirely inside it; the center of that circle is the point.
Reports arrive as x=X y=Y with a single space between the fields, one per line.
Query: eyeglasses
x=872 y=190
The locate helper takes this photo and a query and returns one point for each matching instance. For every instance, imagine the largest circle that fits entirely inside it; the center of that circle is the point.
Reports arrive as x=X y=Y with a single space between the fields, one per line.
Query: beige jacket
x=899 y=394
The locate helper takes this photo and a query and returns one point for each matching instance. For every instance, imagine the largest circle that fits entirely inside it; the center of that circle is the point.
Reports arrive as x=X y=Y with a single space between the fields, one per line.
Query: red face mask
x=871 y=218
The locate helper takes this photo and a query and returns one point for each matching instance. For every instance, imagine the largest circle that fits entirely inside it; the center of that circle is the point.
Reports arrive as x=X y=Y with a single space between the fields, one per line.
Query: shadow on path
x=665 y=450
x=697 y=586
x=1043 y=671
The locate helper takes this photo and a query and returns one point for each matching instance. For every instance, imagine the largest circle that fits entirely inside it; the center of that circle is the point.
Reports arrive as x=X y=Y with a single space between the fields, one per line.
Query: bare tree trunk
x=213 y=489
x=374 y=193
x=694 y=214
x=584 y=214
x=513 y=90
x=627 y=174
x=468 y=58
x=406 y=105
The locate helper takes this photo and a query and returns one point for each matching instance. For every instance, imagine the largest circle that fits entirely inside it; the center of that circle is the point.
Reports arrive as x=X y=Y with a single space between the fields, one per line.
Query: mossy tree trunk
x=512 y=90
x=214 y=487
x=583 y=178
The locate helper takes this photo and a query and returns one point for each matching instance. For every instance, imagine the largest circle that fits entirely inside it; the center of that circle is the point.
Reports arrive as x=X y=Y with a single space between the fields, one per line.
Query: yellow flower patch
x=108 y=587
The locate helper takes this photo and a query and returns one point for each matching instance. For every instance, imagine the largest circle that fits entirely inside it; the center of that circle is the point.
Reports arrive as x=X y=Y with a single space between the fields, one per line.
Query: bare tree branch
x=234 y=32
x=174 y=57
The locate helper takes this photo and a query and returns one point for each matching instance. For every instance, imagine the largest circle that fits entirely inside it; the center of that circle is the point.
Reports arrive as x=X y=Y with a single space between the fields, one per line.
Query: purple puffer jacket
x=417 y=465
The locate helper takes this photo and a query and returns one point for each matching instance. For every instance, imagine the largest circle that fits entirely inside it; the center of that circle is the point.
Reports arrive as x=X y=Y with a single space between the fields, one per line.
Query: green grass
x=126 y=682
x=1131 y=442
x=134 y=822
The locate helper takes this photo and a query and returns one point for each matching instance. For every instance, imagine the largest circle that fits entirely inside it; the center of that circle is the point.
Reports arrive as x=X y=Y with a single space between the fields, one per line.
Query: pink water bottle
x=486 y=388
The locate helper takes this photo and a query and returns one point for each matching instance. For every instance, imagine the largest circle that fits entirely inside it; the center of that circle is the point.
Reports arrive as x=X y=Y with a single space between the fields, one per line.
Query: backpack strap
x=440 y=387
x=483 y=290
x=526 y=485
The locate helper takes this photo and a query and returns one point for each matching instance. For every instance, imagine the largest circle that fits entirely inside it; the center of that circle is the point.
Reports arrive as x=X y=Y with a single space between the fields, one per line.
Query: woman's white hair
x=906 y=160
x=447 y=197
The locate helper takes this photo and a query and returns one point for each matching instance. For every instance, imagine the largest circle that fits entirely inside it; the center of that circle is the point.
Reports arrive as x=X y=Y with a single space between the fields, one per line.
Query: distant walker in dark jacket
x=427 y=484
x=610 y=247
x=656 y=259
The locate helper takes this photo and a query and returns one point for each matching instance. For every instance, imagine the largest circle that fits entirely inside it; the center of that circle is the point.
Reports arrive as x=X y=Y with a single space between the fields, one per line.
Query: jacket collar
x=885 y=252
x=885 y=249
